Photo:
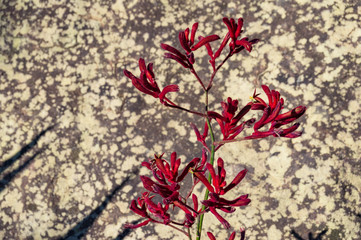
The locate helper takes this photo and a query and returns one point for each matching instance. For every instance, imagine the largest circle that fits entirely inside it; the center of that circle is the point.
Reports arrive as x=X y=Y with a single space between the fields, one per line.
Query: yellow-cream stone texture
x=74 y=130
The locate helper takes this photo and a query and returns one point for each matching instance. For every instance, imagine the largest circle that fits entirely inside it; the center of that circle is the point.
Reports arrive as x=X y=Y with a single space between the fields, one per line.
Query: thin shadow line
x=127 y=231
x=8 y=177
x=83 y=226
x=310 y=235
x=7 y=163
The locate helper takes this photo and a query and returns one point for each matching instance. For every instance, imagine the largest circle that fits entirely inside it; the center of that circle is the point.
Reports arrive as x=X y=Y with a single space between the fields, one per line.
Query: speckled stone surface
x=73 y=130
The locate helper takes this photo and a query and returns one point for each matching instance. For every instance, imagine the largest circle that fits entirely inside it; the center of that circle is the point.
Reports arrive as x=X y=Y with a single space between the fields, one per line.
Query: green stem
x=201 y=217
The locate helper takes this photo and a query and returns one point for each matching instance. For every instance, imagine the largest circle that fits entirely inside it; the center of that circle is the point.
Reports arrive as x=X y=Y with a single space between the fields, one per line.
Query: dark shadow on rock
x=310 y=235
x=79 y=230
x=8 y=177
x=7 y=163
x=127 y=231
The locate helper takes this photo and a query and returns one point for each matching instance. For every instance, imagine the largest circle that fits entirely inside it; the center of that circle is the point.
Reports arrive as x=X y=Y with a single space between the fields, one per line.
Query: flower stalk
x=211 y=161
x=165 y=178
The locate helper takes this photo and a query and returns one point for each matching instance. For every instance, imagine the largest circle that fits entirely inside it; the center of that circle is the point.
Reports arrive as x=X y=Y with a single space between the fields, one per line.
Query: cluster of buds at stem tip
x=146 y=82
x=235 y=30
x=187 y=42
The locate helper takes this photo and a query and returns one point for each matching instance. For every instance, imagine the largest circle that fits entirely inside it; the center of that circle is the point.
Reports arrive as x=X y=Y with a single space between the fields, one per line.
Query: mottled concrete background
x=73 y=130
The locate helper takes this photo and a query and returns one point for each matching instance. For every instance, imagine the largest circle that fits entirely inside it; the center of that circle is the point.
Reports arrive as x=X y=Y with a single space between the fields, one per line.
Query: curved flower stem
x=198 y=78
x=188 y=229
x=189 y=233
x=191 y=190
x=216 y=70
x=229 y=141
x=201 y=217
x=170 y=225
x=173 y=105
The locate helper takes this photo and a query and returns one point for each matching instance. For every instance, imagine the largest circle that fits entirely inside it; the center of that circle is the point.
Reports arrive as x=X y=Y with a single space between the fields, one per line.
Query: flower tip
x=226 y=225
x=141 y=62
x=300 y=110
x=211 y=236
x=128 y=74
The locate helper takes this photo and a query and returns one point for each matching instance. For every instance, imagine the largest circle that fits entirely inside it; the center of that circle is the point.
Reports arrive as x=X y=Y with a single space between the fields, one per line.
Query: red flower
x=198 y=172
x=169 y=193
x=218 y=202
x=147 y=84
x=167 y=187
x=162 y=170
x=187 y=43
x=146 y=206
x=185 y=61
x=235 y=46
x=271 y=114
x=215 y=55
x=233 y=235
x=219 y=188
x=215 y=202
x=201 y=138
x=228 y=121
x=235 y=30
x=218 y=180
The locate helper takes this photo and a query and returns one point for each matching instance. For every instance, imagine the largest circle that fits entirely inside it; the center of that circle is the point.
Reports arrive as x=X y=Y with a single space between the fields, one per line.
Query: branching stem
x=201 y=217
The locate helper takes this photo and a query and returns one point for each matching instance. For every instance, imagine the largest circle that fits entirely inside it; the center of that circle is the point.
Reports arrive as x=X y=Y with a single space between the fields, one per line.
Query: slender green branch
x=201 y=217
x=213 y=148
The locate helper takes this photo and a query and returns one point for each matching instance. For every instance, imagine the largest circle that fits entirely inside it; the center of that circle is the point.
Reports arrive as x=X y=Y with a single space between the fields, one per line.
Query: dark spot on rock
x=74 y=155
x=295 y=181
x=32 y=207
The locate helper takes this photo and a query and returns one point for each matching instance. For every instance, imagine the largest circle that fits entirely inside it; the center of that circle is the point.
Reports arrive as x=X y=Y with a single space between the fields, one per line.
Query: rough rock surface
x=73 y=130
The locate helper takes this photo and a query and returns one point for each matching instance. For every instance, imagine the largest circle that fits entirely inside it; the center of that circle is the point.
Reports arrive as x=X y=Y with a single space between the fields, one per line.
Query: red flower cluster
x=187 y=42
x=147 y=84
x=271 y=114
x=143 y=205
x=166 y=183
x=235 y=30
x=219 y=188
x=231 y=128
x=167 y=187
x=229 y=121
